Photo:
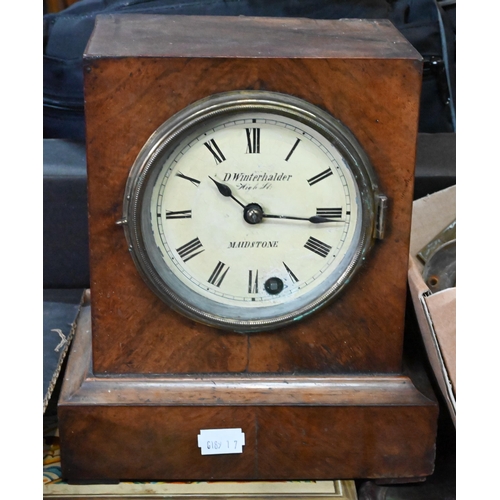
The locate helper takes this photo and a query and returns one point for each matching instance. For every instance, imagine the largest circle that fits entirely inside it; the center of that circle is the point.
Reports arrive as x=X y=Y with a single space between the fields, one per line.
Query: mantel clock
x=250 y=188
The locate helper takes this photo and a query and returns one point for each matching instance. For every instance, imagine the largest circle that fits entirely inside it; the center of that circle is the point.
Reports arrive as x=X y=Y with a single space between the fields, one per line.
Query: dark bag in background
x=430 y=28
x=425 y=23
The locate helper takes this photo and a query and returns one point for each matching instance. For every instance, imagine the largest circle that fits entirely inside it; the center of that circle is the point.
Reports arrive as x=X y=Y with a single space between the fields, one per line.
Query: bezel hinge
x=381 y=203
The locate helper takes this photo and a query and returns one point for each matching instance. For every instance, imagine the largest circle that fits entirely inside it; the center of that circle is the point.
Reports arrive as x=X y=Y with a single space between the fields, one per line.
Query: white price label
x=221 y=441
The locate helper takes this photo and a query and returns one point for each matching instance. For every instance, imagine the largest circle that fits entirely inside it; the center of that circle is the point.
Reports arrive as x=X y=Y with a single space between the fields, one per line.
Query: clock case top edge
x=245 y=37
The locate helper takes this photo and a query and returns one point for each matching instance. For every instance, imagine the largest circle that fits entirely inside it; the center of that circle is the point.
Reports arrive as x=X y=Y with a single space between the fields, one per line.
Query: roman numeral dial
x=190 y=249
x=253 y=140
x=195 y=182
x=317 y=246
x=291 y=274
x=292 y=150
x=321 y=176
x=218 y=274
x=330 y=213
x=297 y=237
x=215 y=150
x=253 y=281
x=253 y=211
x=181 y=214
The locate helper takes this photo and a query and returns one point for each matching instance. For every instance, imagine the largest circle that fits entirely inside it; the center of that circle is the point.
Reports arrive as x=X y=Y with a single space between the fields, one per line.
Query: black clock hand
x=225 y=190
x=315 y=219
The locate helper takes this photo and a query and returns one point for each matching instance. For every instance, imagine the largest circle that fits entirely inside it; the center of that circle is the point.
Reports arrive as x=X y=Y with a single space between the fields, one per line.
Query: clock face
x=246 y=211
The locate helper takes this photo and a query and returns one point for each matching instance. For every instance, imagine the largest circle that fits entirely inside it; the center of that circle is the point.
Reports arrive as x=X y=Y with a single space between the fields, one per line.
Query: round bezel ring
x=165 y=139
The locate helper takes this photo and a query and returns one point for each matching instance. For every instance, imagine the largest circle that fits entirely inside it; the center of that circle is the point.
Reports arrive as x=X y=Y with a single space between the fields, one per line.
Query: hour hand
x=225 y=190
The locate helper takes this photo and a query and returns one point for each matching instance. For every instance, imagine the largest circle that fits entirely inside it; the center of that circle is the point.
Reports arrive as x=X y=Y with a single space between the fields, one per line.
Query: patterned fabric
x=51 y=455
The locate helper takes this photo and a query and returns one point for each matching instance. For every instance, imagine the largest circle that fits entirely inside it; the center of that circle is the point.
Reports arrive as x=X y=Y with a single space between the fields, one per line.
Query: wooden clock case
x=325 y=398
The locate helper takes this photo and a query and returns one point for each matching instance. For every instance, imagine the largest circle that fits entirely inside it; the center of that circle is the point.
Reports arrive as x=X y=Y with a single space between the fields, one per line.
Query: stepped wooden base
x=296 y=427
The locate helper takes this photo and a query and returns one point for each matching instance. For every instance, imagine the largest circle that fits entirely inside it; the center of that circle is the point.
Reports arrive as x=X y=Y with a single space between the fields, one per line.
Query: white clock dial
x=250 y=216
x=270 y=164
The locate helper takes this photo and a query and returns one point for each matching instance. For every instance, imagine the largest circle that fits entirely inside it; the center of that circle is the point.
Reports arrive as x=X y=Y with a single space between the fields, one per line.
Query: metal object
x=440 y=270
x=447 y=234
x=382 y=203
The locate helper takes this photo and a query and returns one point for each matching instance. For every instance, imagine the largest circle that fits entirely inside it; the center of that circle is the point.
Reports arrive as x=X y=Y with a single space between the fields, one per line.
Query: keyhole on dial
x=273 y=286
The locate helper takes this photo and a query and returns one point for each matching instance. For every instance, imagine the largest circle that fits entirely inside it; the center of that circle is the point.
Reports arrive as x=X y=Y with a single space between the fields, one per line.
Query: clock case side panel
x=378 y=100
x=133 y=331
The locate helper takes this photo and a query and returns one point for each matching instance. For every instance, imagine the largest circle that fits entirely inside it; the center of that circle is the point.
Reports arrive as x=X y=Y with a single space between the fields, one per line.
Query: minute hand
x=315 y=219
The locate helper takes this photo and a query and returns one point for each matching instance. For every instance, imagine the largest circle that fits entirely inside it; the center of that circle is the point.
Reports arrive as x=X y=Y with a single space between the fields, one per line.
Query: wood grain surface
x=143 y=35
x=325 y=398
x=330 y=427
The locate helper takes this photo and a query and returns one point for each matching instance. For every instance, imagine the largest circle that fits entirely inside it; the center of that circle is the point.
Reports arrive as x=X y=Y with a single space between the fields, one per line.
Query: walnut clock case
x=250 y=188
